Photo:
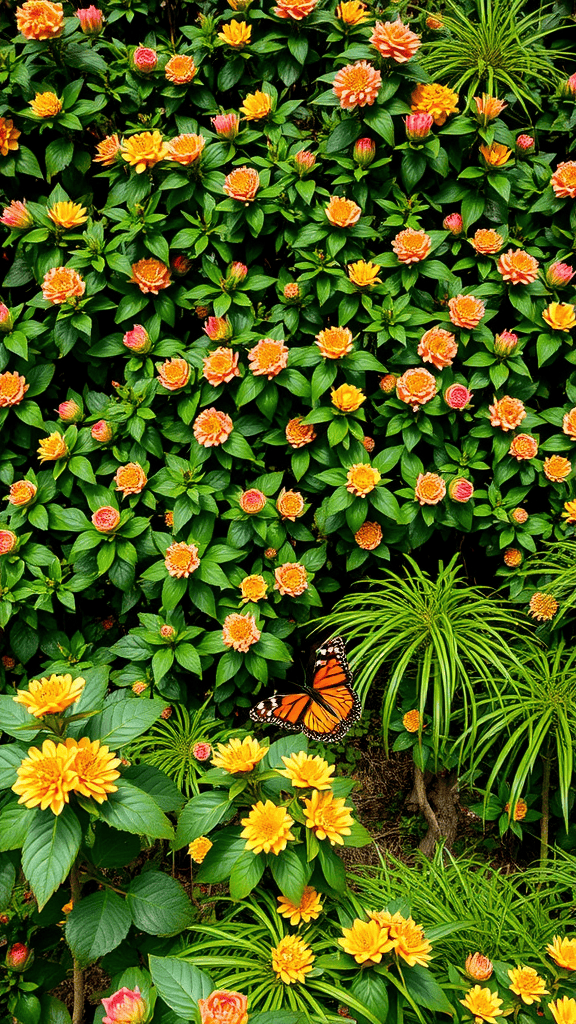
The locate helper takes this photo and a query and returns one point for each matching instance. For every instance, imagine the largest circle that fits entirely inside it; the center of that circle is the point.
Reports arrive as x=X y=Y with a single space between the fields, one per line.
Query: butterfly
x=326 y=708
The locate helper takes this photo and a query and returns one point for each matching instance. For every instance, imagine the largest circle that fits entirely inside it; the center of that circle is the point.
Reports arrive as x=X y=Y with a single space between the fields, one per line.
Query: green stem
x=78 y=1010
x=545 y=819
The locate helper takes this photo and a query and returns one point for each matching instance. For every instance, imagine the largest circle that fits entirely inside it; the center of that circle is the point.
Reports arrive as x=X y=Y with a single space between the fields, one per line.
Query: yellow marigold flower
x=507 y=413
x=560 y=316
x=415 y=387
x=308 y=909
x=67 y=215
x=180 y=69
x=50 y=696
x=366 y=941
x=486 y=241
x=435 y=99
x=569 y=513
x=40 y=19
x=369 y=536
x=563 y=1010
x=299 y=434
x=94 y=767
x=334 y=342
x=518 y=267
x=357 y=85
x=328 y=816
x=253 y=588
x=411 y=246
x=361 y=479
x=292 y=959
x=513 y=558
x=496 y=155
x=543 y=607
x=198 y=848
x=291 y=579
x=267 y=828
x=52 y=448
x=305 y=771
x=557 y=468
x=46 y=104
x=8 y=136
x=564 y=180
x=430 y=489
x=239 y=755
x=13 y=387
x=364 y=275
x=438 y=347
x=181 y=560
x=478 y=967
x=352 y=12
x=186 y=149
x=268 y=358
x=342 y=213
x=212 y=427
x=483 y=1004
x=347 y=398
x=108 y=151
x=563 y=952
x=290 y=505
x=256 y=106
x=46 y=777
x=236 y=34
x=410 y=942
x=411 y=720
x=144 y=150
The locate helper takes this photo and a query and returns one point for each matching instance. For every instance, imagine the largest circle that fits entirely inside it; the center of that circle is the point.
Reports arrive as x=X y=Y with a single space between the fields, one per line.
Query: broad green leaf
x=96 y=925
x=158 y=904
x=132 y=810
x=201 y=815
x=49 y=851
x=124 y=721
x=179 y=984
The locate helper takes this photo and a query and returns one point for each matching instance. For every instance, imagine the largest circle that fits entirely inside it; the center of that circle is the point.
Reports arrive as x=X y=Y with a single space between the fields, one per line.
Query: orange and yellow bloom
x=438 y=347
x=347 y=398
x=180 y=69
x=305 y=771
x=144 y=150
x=267 y=828
x=67 y=215
x=334 y=342
x=308 y=909
x=430 y=489
x=151 y=276
x=328 y=816
x=357 y=85
x=181 y=560
x=8 y=136
x=560 y=316
x=40 y=19
x=435 y=99
x=52 y=448
x=256 y=106
x=50 y=696
x=239 y=755
x=361 y=479
x=198 y=848
x=411 y=246
x=13 y=387
x=482 y=1004
x=242 y=183
x=62 y=284
x=240 y=632
x=212 y=428
x=268 y=358
x=518 y=267
x=416 y=387
x=130 y=479
x=291 y=579
x=563 y=952
x=564 y=180
x=342 y=213
x=186 y=149
x=507 y=413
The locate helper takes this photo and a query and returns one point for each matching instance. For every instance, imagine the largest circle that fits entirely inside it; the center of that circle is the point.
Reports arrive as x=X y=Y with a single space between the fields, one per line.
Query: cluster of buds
x=418 y=126
x=237 y=273
x=364 y=152
x=524 y=145
x=291 y=292
x=505 y=344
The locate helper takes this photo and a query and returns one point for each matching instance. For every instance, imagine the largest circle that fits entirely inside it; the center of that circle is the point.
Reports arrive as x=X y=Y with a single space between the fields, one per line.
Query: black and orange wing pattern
x=326 y=709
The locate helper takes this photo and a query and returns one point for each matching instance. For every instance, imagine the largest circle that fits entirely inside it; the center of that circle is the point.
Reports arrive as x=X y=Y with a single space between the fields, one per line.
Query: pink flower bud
x=6 y=319
x=102 y=431
x=457 y=396
x=70 y=411
x=304 y=161
x=18 y=957
x=291 y=291
x=525 y=143
x=364 y=152
x=144 y=60
x=167 y=632
x=226 y=126
x=218 y=328
x=237 y=273
x=125 y=1007
x=91 y=20
x=460 y=490
x=8 y=541
x=453 y=223
x=418 y=126
x=569 y=86
x=505 y=344
x=16 y=216
x=559 y=275
x=201 y=751
x=138 y=340
x=180 y=265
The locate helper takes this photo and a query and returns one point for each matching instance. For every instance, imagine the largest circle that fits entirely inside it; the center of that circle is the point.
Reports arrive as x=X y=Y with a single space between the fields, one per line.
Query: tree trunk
x=436 y=797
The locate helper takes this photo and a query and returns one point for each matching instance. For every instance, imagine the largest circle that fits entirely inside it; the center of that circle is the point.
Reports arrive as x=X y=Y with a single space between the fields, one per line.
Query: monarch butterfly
x=326 y=708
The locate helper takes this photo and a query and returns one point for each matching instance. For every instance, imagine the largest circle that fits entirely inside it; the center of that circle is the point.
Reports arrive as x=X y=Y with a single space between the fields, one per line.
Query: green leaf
x=201 y=815
x=7 y=879
x=49 y=851
x=246 y=874
x=96 y=925
x=371 y=990
x=53 y=1010
x=11 y=757
x=179 y=984
x=157 y=784
x=124 y=721
x=15 y=822
x=343 y=135
x=58 y=155
x=132 y=810
x=425 y=991
x=472 y=209
x=332 y=867
x=290 y=875
x=227 y=846
x=158 y=904
x=111 y=848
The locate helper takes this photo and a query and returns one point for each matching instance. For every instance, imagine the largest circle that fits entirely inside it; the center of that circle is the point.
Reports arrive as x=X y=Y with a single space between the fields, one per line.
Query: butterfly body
x=323 y=710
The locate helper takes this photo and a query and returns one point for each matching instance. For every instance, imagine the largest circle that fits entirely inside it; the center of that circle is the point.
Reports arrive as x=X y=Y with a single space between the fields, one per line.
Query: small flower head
x=46 y=777
x=488 y=108
x=13 y=388
x=308 y=909
x=198 y=848
x=91 y=20
x=106 y=519
x=395 y=41
x=461 y=490
x=223 y=1007
x=347 y=398
x=299 y=434
x=368 y=444
x=457 y=396
x=268 y=358
x=435 y=99
x=357 y=85
x=486 y=241
x=569 y=513
x=8 y=541
x=430 y=489
x=8 y=136
x=513 y=558
x=46 y=104
x=411 y=246
x=563 y=952
x=180 y=69
x=352 y=12
x=236 y=34
x=495 y=155
x=560 y=316
x=240 y=632
x=364 y=152
x=466 y=311
x=174 y=374
x=256 y=106
x=95 y=768
x=50 y=696
x=139 y=687
x=482 y=1004
x=507 y=413
x=478 y=967
x=69 y=411
x=218 y=328
x=505 y=344
x=290 y=505
x=334 y=342
x=519 y=516
x=563 y=180
x=364 y=275
x=239 y=755
x=267 y=828
x=411 y=720
x=291 y=291
x=543 y=607
x=295 y=10
x=151 y=276
x=242 y=184
x=67 y=215
x=201 y=751
x=52 y=448
x=62 y=284
x=252 y=501
x=369 y=536
x=305 y=771
x=18 y=957
x=559 y=275
x=342 y=213
x=328 y=816
x=292 y=960
x=181 y=560
x=563 y=1010
x=454 y=224
x=418 y=126
x=557 y=468
x=221 y=366
x=527 y=983
x=416 y=387
x=40 y=19
x=226 y=126
x=101 y=431
x=291 y=579
x=144 y=60
x=253 y=588
x=125 y=1005
x=569 y=423
x=22 y=492
x=304 y=161
x=16 y=216
x=137 y=340
x=212 y=428
x=130 y=479
x=518 y=267
x=361 y=479
x=388 y=383
x=108 y=151
x=366 y=941
x=524 y=145
x=523 y=447
x=186 y=149
x=438 y=347
x=520 y=809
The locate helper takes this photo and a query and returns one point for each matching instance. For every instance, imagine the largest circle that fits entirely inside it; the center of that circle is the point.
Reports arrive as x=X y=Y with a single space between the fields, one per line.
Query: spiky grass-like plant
x=555 y=565
x=502 y=51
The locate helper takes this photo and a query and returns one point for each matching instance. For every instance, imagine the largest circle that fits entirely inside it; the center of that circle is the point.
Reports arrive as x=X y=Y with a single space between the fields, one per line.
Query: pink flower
x=102 y=431
x=144 y=60
x=418 y=126
x=237 y=273
x=570 y=85
x=138 y=340
x=18 y=957
x=304 y=161
x=16 y=215
x=364 y=152
x=201 y=751
x=106 y=519
x=125 y=1007
x=453 y=223
x=559 y=275
x=524 y=143
x=69 y=412
x=91 y=20
x=460 y=490
x=6 y=319
x=218 y=328
x=457 y=396
x=8 y=541
x=226 y=126
x=505 y=344
x=167 y=632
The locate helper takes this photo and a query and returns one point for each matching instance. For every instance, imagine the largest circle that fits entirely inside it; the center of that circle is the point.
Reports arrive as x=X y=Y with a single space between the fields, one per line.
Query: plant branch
x=78 y=1009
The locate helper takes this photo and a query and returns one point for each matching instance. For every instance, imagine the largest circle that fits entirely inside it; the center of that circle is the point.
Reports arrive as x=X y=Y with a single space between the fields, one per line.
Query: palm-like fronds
x=555 y=564
x=502 y=50
x=534 y=716
x=445 y=633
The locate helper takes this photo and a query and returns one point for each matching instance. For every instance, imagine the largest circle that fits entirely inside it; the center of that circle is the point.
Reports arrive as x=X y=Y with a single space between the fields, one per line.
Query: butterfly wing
x=287 y=710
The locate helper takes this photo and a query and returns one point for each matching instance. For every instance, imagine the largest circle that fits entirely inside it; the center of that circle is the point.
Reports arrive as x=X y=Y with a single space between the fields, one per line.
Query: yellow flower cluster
x=368 y=941
x=48 y=775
